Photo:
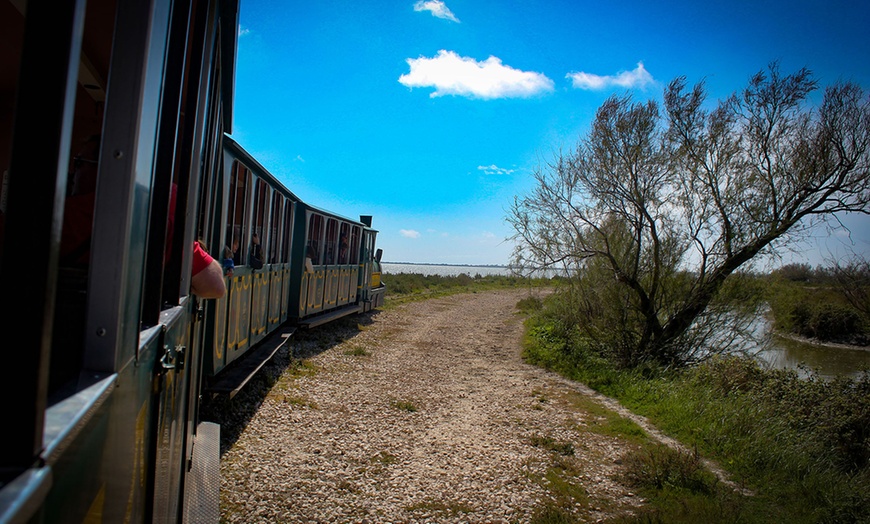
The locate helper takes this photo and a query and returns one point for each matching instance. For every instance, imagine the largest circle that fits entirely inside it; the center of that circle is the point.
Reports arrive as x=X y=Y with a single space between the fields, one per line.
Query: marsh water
x=784 y=353
x=826 y=361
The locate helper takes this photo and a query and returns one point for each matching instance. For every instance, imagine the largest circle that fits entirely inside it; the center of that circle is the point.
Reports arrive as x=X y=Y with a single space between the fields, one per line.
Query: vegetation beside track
x=406 y=287
x=800 y=446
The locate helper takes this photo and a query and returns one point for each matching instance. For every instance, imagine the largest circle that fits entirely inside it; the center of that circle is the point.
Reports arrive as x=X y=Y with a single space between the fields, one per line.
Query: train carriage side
x=338 y=258
x=257 y=216
x=103 y=381
x=292 y=265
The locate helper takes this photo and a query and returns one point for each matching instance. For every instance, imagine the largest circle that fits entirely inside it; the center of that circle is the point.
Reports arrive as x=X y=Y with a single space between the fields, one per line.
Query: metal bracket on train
x=173 y=357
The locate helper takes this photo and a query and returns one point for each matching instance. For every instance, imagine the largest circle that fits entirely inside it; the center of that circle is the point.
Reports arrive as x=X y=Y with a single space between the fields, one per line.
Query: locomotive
x=108 y=354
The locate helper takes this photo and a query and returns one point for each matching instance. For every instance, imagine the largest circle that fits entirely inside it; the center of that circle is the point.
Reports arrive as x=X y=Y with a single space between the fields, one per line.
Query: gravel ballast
x=423 y=413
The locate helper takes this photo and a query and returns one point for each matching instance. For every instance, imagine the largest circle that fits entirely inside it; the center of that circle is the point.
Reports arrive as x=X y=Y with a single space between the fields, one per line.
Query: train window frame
x=355 y=235
x=275 y=226
x=260 y=223
x=287 y=234
x=314 y=238
x=331 y=241
x=237 y=223
x=343 y=247
x=211 y=178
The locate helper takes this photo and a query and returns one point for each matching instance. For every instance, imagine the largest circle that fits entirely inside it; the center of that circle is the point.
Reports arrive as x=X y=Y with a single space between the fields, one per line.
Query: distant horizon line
x=441 y=264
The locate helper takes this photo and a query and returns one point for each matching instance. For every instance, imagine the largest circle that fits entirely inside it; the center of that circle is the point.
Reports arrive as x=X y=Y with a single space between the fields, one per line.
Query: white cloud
x=243 y=31
x=639 y=78
x=409 y=233
x=493 y=169
x=451 y=74
x=437 y=8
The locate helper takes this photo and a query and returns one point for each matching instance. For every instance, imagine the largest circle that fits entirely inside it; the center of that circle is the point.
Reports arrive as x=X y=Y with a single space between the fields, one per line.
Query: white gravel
x=427 y=413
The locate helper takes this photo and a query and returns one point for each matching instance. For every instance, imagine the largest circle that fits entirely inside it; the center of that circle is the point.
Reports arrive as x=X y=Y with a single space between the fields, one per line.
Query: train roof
x=261 y=171
x=360 y=221
x=253 y=163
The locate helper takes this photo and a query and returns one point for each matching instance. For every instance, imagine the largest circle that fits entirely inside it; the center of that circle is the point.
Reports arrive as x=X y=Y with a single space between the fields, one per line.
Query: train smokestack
x=366 y=219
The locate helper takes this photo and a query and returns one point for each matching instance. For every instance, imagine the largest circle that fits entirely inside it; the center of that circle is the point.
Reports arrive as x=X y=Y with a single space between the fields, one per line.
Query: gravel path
x=424 y=413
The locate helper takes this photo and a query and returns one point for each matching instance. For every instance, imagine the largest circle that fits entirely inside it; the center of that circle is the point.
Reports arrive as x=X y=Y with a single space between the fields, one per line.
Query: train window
x=331 y=240
x=315 y=233
x=354 y=245
x=275 y=229
x=68 y=348
x=343 y=243
x=212 y=161
x=288 y=230
x=261 y=206
x=236 y=233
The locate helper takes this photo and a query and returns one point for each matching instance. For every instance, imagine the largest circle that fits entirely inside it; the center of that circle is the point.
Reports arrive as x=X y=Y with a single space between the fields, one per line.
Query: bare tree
x=671 y=205
x=852 y=279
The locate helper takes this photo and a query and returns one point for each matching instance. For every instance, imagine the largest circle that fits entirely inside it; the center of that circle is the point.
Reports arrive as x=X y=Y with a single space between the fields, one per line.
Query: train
x=109 y=356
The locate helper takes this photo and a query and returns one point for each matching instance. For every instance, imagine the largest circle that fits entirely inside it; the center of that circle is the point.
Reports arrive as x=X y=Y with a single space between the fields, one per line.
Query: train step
x=233 y=379
x=204 y=481
x=317 y=320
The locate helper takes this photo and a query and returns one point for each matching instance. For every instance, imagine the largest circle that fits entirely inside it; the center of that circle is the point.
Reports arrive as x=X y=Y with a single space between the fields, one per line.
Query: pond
x=826 y=361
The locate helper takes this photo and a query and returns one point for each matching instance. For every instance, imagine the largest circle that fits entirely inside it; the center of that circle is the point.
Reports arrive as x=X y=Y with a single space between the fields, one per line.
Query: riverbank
x=820 y=343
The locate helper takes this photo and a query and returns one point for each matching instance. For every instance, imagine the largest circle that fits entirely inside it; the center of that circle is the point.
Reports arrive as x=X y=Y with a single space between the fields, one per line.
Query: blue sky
x=431 y=116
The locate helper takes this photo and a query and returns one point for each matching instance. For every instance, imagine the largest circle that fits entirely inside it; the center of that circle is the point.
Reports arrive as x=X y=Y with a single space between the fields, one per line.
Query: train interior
x=78 y=186
x=77 y=182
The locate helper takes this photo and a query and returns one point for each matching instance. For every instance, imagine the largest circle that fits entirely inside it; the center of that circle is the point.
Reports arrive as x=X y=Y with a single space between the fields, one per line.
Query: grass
x=356 y=351
x=451 y=509
x=409 y=287
x=384 y=458
x=404 y=405
x=550 y=444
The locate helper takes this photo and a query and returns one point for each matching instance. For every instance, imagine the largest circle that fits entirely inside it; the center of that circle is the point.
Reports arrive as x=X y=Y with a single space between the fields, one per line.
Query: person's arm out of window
x=207 y=280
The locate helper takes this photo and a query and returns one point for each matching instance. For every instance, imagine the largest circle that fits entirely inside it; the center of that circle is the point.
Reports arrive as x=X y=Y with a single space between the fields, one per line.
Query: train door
x=209 y=196
x=365 y=277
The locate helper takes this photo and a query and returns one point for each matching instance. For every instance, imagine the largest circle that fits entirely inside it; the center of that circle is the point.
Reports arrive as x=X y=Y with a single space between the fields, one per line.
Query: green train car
x=117 y=159
x=314 y=266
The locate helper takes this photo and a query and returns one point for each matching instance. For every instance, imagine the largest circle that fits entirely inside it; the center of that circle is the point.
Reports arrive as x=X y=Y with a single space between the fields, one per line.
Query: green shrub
x=660 y=467
x=820 y=313
x=827 y=321
x=530 y=304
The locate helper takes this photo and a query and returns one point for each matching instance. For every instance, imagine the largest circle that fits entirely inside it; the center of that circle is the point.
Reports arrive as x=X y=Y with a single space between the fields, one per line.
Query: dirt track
x=426 y=414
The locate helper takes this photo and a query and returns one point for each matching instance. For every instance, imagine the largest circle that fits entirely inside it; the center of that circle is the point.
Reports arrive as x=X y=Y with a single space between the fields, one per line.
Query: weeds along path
x=427 y=413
